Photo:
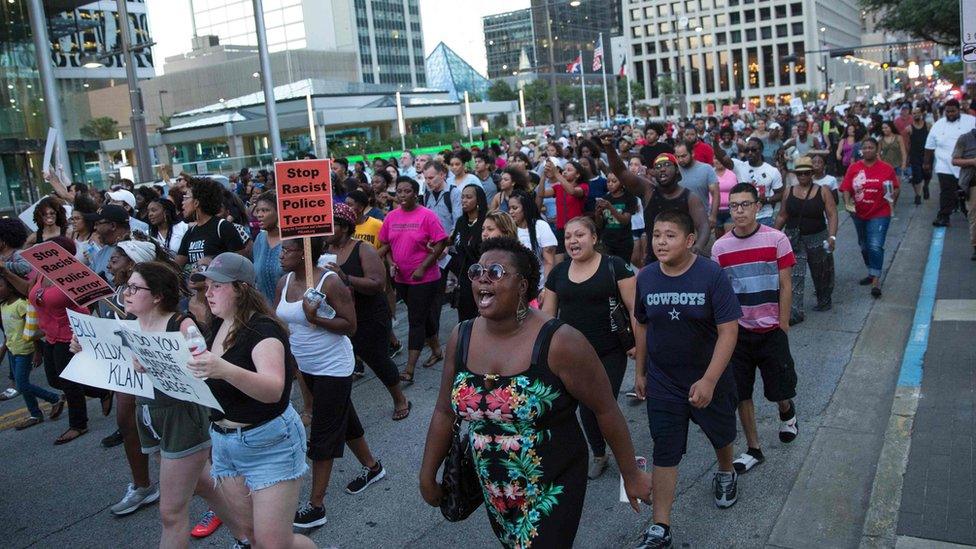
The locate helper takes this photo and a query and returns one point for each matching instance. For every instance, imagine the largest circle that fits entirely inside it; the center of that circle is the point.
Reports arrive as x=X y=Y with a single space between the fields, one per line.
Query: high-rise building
x=507 y=36
x=696 y=53
x=574 y=29
x=385 y=33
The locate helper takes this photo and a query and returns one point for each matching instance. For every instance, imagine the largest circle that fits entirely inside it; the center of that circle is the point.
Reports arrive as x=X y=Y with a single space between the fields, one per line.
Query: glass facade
x=506 y=36
x=396 y=36
x=447 y=71
x=576 y=29
x=233 y=22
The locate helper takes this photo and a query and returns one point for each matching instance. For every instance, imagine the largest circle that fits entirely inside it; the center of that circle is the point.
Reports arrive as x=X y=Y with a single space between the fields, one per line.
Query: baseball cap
x=111 y=212
x=228 y=267
x=773 y=126
x=803 y=164
x=123 y=195
x=666 y=157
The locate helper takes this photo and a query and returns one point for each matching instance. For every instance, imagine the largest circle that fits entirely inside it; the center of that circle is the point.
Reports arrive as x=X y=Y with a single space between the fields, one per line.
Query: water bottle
x=889 y=188
x=317 y=298
x=194 y=341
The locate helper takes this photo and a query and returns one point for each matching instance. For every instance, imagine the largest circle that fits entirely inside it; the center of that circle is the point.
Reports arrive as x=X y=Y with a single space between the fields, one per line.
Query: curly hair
x=13 y=232
x=208 y=193
x=526 y=262
x=61 y=220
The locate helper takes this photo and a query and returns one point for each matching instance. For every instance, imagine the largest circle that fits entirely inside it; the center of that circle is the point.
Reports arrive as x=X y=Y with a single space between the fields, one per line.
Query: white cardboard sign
x=164 y=356
x=105 y=361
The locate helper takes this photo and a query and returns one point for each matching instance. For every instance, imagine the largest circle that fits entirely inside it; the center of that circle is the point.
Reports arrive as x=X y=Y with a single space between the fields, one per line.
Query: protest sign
x=71 y=276
x=105 y=361
x=164 y=356
x=304 y=198
x=49 y=146
x=27 y=216
x=796 y=106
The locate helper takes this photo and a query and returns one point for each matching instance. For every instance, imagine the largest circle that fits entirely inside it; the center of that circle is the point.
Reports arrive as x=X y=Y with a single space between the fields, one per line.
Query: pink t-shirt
x=411 y=236
x=725 y=183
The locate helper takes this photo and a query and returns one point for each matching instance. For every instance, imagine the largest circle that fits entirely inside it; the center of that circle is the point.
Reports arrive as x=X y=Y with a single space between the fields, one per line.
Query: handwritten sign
x=304 y=198
x=72 y=277
x=105 y=361
x=164 y=356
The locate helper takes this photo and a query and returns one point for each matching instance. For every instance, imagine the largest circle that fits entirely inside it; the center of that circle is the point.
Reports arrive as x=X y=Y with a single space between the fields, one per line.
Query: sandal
x=433 y=359
x=69 y=435
x=107 y=402
x=57 y=408
x=406 y=377
x=402 y=413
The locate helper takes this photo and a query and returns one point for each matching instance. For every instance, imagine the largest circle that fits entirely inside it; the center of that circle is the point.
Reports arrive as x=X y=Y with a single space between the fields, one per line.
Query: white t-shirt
x=942 y=139
x=765 y=177
x=544 y=236
x=468 y=179
x=828 y=181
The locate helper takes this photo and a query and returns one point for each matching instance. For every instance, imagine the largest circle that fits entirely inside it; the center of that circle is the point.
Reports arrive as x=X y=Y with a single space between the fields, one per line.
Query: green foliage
x=501 y=91
x=667 y=86
x=934 y=20
x=952 y=72
x=101 y=128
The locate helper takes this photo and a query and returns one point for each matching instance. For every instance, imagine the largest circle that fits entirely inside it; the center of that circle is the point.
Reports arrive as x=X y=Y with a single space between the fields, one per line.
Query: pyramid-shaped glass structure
x=447 y=71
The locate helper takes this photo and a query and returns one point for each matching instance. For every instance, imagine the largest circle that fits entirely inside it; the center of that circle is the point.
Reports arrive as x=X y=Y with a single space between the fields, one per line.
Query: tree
x=101 y=128
x=636 y=92
x=501 y=91
x=933 y=20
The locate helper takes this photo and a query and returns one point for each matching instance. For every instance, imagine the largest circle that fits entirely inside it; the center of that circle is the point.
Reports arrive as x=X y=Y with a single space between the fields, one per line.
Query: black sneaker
x=113 y=440
x=359 y=370
x=365 y=478
x=725 y=486
x=309 y=516
x=925 y=191
x=395 y=350
x=655 y=538
x=821 y=307
x=918 y=200
x=876 y=292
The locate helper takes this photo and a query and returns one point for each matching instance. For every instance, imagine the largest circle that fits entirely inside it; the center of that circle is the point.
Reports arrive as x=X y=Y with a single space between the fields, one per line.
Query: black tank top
x=368 y=307
x=916 y=142
x=808 y=215
x=659 y=203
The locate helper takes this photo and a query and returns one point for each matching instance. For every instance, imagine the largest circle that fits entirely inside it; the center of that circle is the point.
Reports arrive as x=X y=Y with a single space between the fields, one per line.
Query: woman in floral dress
x=527 y=444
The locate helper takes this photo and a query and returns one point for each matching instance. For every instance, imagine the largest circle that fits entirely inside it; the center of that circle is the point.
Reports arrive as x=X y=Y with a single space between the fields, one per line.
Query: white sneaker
x=135 y=498
x=598 y=466
x=9 y=394
x=745 y=462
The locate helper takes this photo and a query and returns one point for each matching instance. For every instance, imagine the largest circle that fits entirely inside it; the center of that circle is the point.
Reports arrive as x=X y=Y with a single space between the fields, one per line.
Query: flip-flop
x=433 y=359
x=403 y=413
x=64 y=438
x=406 y=377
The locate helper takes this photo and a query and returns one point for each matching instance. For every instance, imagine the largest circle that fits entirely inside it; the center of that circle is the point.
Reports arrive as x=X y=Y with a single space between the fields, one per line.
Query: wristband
x=834 y=238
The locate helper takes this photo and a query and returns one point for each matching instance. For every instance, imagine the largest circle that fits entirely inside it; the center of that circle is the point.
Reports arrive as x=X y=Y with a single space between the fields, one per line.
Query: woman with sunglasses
x=521 y=405
x=258 y=441
x=413 y=238
x=579 y=292
x=50 y=219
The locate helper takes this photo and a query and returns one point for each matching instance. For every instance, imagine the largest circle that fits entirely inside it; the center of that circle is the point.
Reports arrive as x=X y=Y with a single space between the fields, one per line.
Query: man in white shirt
x=940 y=144
x=761 y=174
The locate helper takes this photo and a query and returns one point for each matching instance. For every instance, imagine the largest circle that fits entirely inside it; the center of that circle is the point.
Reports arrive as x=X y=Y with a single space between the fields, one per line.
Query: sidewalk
x=938 y=493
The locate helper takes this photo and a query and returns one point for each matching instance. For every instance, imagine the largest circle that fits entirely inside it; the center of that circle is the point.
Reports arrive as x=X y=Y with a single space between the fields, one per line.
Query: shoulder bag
x=619 y=316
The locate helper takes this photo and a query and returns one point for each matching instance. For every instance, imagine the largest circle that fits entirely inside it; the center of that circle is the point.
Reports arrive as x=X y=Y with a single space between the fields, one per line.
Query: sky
x=443 y=21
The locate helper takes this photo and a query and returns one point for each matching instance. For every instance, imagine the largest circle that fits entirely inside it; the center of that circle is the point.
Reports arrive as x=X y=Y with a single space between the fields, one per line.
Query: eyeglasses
x=130 y=289
x=742 y=205
x=495 y=272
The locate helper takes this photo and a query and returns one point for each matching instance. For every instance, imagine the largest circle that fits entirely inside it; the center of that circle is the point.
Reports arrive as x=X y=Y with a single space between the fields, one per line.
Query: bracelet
x=834 y=238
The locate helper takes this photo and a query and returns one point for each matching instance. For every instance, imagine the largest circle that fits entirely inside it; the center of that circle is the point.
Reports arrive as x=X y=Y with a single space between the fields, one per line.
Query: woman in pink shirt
x=52 y=319
x=412 y=240
x=726 y=180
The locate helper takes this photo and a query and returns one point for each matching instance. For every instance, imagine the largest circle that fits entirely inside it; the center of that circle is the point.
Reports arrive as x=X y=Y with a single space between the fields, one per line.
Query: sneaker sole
x=377 y=478
x=740 y=468
x=312 y=524
x=725 y=504
x=129 y=510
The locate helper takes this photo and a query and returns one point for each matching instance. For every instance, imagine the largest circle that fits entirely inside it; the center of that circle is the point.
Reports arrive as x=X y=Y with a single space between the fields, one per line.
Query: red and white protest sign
x=71 y=276
x=304 y=198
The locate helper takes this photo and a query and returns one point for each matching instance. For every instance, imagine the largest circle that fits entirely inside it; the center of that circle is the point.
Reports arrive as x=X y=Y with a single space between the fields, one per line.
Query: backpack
x=447 y=201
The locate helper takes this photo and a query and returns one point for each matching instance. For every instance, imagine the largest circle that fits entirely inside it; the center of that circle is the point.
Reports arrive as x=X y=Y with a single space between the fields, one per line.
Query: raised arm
x=637 y=186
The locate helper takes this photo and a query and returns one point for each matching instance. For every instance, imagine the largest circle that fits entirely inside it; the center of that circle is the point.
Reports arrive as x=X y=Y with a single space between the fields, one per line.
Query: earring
x=523 y=310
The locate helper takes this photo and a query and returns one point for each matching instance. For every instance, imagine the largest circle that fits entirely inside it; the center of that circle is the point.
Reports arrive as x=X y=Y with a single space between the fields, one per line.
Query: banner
x=105 y=361
x=71 y=276
x=164 y=356
x=304 y=198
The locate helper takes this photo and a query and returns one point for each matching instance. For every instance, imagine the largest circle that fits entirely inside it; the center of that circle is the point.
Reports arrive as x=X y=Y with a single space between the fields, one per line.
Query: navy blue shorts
x=669 y=421
x=769 y=352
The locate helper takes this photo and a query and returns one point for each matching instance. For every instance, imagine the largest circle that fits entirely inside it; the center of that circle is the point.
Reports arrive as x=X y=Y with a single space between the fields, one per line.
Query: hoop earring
x=523 y=310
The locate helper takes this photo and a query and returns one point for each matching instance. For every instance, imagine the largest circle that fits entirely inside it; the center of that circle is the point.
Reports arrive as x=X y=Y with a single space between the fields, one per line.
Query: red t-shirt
x=568 y=206
x=52 y=315
x=866 y=185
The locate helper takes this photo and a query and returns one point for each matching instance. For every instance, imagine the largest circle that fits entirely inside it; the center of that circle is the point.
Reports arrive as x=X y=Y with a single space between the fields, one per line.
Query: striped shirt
x=752 y=265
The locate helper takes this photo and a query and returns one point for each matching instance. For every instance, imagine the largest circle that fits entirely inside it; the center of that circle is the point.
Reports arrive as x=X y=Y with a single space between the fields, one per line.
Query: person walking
x=466 y=246
x=521 y=407
x=267 y=245
x=964 y=156
x=809 y=219
x=918 y=134
x=870 y=191
x=939 y=145
x=581 y=292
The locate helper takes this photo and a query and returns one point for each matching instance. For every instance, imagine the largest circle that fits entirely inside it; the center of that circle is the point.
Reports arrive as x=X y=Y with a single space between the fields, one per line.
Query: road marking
x=911 y=363
x=11 y=419
x=955 y=309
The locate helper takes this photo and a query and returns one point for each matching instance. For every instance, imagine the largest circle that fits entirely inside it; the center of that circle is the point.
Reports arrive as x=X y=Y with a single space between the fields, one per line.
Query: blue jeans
x=871 y=235
x=21 y=365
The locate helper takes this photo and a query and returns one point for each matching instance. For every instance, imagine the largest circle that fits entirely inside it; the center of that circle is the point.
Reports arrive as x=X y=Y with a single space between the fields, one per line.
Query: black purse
x=460 y=485
x=619 y=316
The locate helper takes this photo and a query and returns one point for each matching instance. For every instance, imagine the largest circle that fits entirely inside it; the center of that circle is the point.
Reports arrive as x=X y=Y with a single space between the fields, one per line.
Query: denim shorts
x=264 y=456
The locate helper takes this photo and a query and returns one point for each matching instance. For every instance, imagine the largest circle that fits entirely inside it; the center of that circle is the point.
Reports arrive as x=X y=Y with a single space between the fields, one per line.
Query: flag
x=576 y=65
x=598 y=55
x=623 y=69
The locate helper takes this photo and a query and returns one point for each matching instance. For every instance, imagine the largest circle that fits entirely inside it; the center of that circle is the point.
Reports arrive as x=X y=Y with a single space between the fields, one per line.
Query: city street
x=820 y=490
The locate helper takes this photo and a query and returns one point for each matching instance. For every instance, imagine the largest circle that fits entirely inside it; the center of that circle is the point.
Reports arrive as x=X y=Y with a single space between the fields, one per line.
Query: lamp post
x=270 y=108
x=823 y=46
x=553 y=97
x=401 y=123
x=52 y=103
x=137 y=120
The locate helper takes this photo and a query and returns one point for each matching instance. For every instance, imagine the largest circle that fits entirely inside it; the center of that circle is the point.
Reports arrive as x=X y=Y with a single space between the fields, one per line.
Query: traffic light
x=886 y=65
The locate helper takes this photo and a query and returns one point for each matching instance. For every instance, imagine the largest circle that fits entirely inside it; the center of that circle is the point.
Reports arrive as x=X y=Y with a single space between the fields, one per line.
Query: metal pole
x=467 y=117
x=583 y=88
x=553 y=98
x=311 y=123
x=522 y=106
x=140 y=141
x=630 y=98
x=270 y=108
x=52 y=103
x=401 y=123
x=606 y=97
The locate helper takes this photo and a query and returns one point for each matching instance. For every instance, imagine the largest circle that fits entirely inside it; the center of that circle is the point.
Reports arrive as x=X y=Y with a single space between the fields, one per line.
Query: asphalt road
x=59 y=495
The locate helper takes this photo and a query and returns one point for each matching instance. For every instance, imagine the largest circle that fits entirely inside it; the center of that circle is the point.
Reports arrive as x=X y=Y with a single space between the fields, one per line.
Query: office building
x=699 y=55
x=508 y=36
x=574 y=29
x=386 y=34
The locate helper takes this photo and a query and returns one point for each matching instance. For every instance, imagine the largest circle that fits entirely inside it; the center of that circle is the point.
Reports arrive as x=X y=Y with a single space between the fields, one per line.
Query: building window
x=781 y=31
x=780 y=12
x=648 y=12
x=735 y=18
x=782 y=50
x=798 y=28
x=637 y=32
x=723 y=71
x=750 y=16
x=638 y=49
x=736 y=37
x=750 y=35
x=663 y=10
x=652 y=65
x=651 y=47
x=695 y=74
x=693 y=42
x=769 y=66
x=752 y=68
x=796 y=9
x=766 y=33
x=800 y=68
x=721 y=39
x=665 y=27
x=709 y=72
x=733 y=3
x=764 y=14
x=664 y=46
x=738 y=70
x=721 y=20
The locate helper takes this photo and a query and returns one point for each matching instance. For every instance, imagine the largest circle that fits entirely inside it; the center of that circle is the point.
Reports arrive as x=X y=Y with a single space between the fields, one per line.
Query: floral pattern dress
x=527 y=446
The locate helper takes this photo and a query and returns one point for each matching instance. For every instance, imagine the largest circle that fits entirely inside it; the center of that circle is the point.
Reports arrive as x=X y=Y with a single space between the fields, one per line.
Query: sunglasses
x=495 y=272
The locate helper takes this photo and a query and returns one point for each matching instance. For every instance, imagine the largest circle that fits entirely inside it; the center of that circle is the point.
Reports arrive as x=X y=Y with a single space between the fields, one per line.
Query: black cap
x=111 y=212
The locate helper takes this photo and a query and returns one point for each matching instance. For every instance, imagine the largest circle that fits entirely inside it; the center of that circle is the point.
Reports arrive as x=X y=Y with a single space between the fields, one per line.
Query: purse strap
x=615 y=297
